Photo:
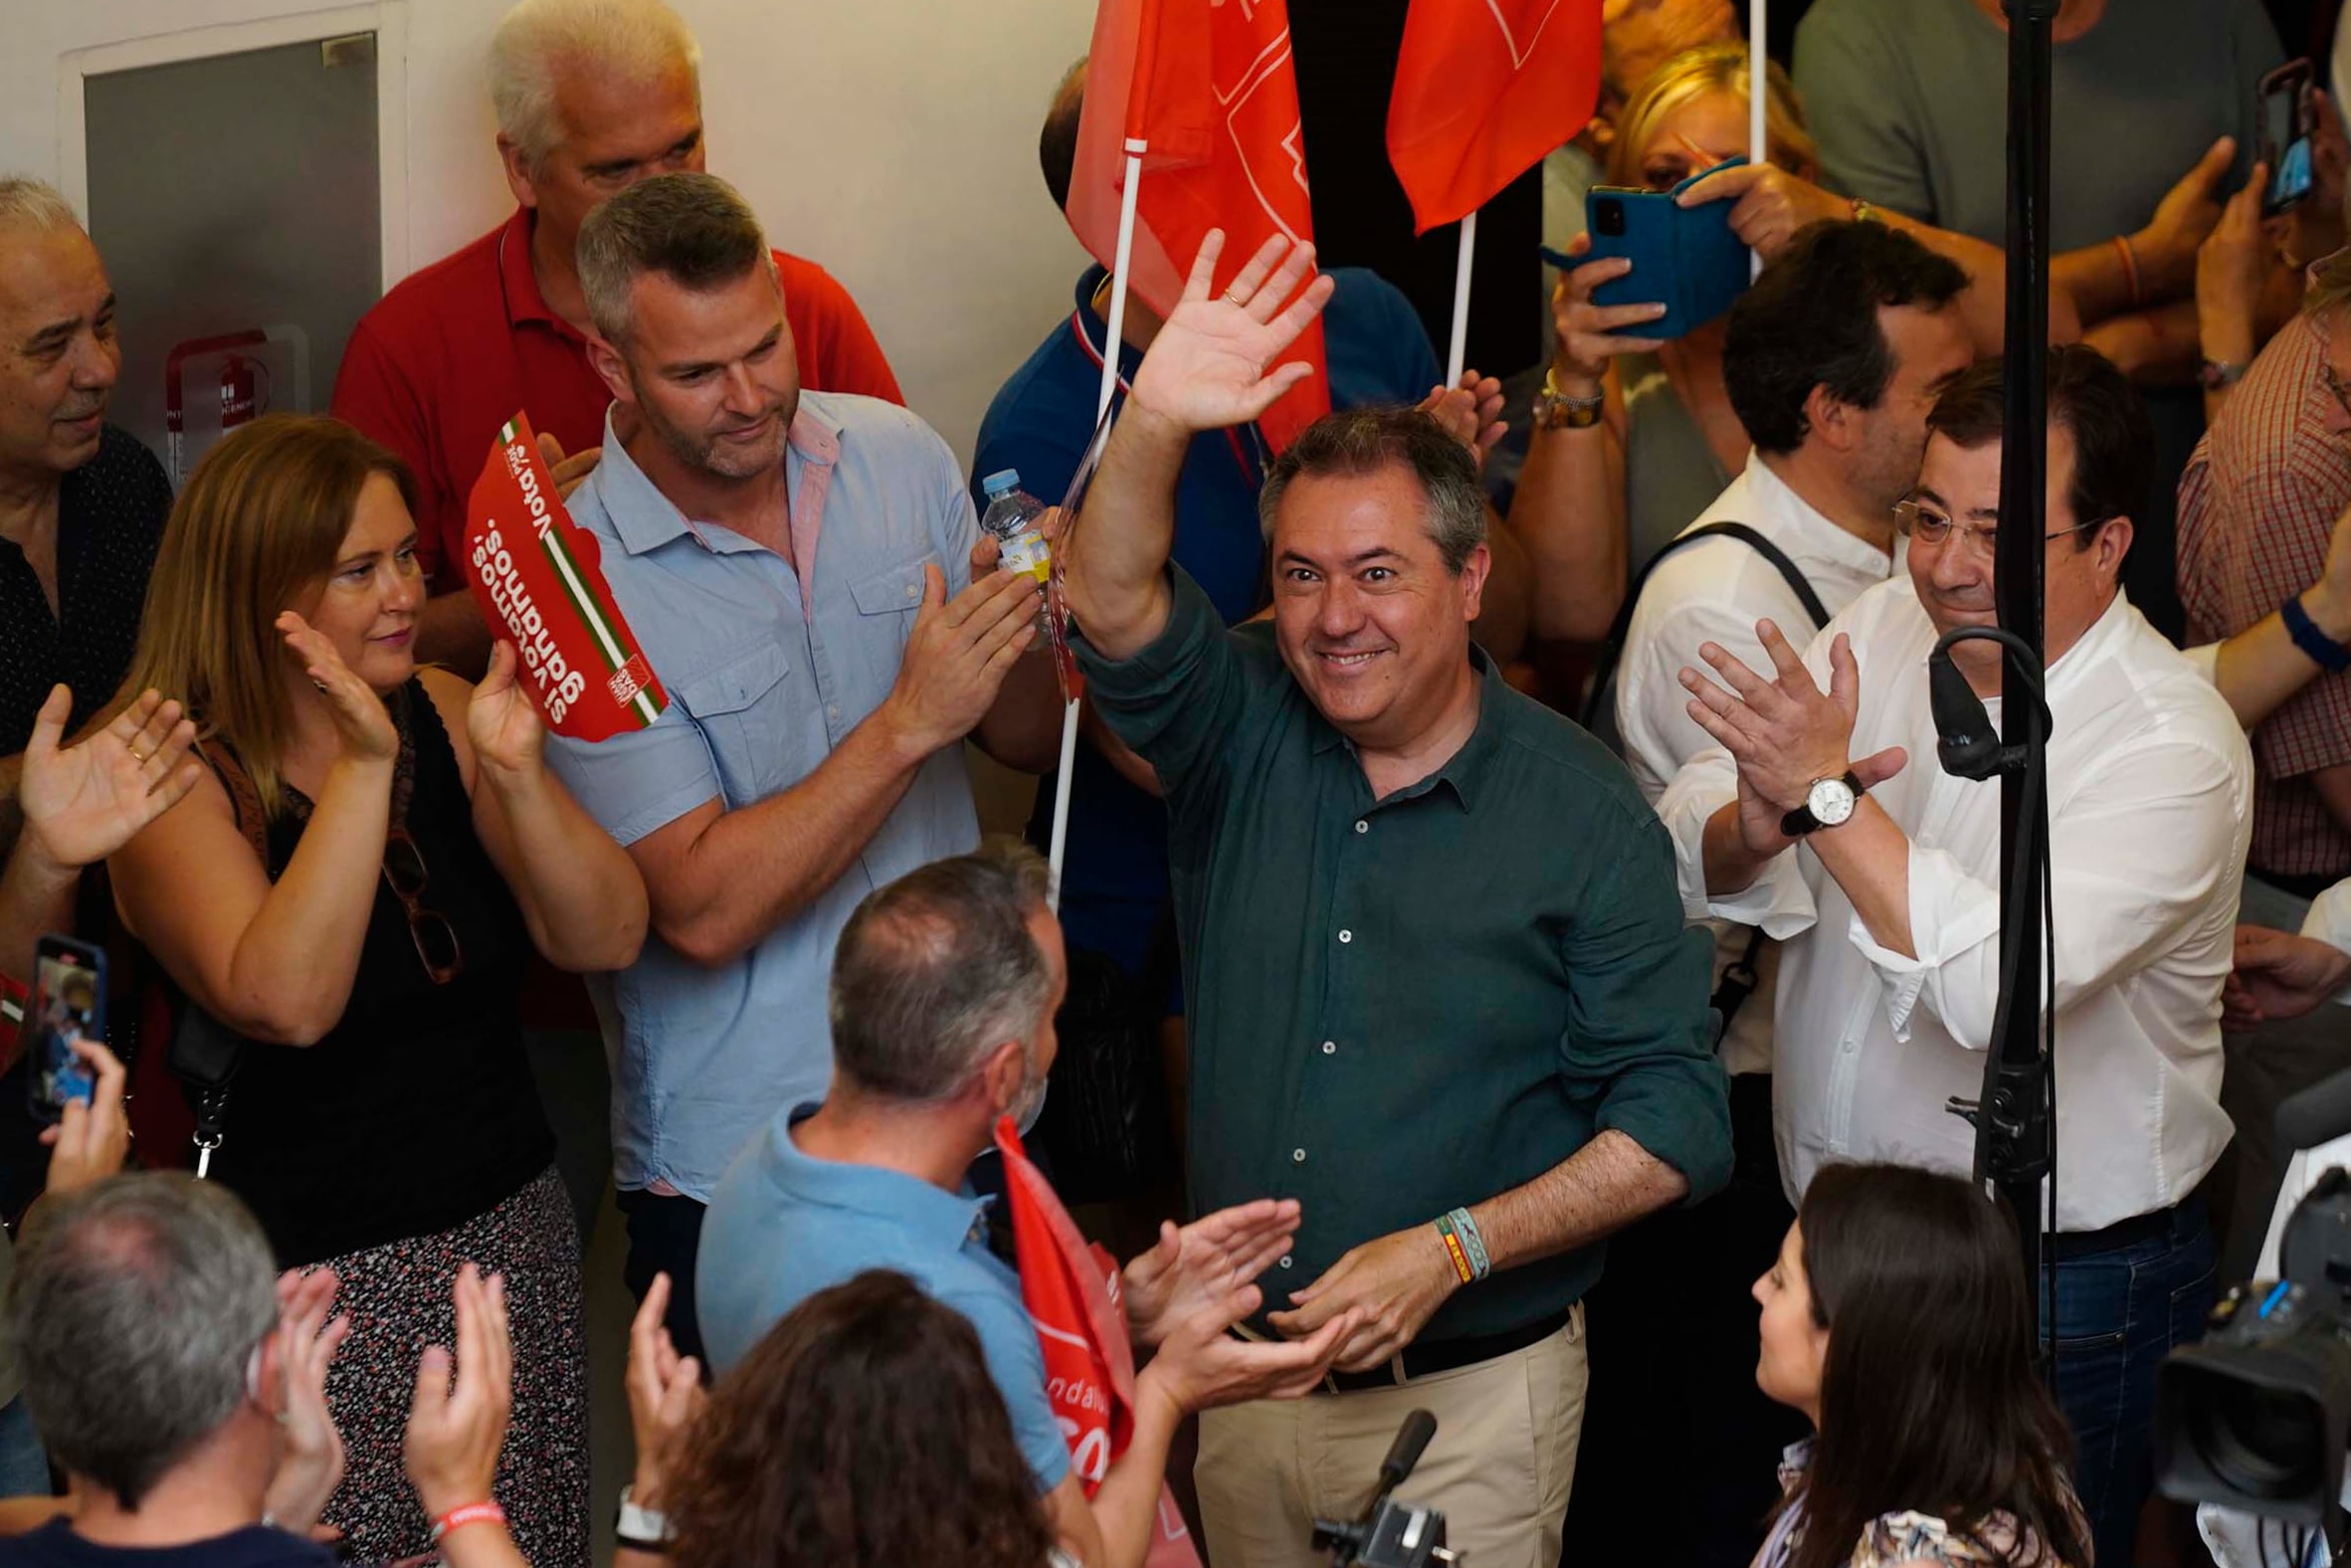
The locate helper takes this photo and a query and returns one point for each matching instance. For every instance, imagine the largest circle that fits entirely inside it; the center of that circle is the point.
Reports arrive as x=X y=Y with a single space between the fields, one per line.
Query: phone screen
x=2286 y=112
x=68 y=1002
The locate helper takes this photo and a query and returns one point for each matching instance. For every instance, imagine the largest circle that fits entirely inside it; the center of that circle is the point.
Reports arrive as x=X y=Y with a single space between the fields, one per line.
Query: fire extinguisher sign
x=538 y=580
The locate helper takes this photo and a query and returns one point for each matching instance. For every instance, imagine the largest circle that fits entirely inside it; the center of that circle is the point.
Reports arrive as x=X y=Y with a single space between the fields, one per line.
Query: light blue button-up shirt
x=767 y=672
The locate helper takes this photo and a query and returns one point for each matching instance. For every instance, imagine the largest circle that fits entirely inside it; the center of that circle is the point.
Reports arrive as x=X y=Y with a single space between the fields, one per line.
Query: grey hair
x=631 y=39
x=691 y=228
x=28 y=203
x=1363 y=441
x=938 y=969
x=135 y=1311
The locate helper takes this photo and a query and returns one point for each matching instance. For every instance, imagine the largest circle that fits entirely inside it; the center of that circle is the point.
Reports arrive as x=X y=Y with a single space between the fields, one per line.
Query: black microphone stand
x=2017 y=1122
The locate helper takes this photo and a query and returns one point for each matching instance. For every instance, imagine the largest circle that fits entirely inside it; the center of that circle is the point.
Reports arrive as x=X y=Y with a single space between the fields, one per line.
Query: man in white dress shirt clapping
x=1823 y=818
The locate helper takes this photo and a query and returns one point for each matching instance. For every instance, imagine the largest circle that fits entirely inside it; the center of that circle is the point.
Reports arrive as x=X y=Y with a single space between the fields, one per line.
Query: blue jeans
x=2119 y=1313
x=24 y=1467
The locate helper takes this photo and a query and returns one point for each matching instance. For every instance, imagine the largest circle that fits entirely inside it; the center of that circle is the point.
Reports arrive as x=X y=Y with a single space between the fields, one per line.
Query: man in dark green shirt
x=1440 y=984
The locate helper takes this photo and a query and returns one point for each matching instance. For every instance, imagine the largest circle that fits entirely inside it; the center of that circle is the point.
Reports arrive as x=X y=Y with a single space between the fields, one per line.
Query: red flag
x=1206 y=86
x=1483 y=89
x=1072 y=1293
x=538 y=580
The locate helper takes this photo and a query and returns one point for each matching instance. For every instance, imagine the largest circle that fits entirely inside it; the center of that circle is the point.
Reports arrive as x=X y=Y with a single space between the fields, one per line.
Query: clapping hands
x=84 y=802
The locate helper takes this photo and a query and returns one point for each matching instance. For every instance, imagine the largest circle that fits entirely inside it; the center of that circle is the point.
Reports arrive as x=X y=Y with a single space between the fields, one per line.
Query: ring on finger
x=1235 y=300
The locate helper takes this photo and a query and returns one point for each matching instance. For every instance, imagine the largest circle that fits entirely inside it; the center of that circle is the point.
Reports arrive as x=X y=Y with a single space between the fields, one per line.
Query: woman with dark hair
x=864 y=1432
x=1897 y=1319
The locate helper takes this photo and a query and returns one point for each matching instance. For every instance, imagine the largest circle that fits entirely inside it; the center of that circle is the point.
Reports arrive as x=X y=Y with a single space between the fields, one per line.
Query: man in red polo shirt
x=592 y=95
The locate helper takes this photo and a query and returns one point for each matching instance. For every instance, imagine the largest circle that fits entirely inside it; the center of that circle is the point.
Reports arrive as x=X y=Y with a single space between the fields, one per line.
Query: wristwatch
x=2214 y=374
x=1557 y=410
x=1825 y=804
x=641 y=1529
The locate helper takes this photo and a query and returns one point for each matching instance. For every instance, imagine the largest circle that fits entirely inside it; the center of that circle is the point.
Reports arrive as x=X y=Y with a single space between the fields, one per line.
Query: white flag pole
x=1458 y=351
x=1758 y=96
x=1058 y=845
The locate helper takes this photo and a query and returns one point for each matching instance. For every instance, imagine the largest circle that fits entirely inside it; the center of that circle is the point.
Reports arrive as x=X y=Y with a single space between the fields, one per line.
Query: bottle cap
x=1001 y=480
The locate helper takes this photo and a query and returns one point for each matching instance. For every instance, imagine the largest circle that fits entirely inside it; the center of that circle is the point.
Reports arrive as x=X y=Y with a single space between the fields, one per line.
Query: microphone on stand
x=1966 y=742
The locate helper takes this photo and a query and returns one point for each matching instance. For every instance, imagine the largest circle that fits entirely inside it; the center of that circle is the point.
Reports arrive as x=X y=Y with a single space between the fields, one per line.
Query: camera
x=2256 y=1416
x=1608 y=215
x=1391 y=1535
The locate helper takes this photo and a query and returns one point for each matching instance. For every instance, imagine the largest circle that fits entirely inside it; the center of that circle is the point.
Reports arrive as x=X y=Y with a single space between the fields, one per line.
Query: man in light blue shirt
x=942 y=996
x=800 y=569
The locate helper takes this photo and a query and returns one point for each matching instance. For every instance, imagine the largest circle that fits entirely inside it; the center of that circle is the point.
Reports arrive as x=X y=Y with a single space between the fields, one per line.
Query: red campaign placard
x=1072 y=1293
x=537 y=578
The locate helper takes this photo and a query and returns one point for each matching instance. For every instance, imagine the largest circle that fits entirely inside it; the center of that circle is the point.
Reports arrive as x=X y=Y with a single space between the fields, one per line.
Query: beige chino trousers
x=1499 y=1468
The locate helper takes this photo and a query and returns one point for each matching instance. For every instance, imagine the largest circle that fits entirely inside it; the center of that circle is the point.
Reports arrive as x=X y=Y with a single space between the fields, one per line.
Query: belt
x=1419 y=1360
x=2066 y=1246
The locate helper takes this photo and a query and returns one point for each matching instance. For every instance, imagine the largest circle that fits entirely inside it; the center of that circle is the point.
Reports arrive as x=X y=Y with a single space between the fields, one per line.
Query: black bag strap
x=1613 y=650
x=205 y=1055
x=1739 y=980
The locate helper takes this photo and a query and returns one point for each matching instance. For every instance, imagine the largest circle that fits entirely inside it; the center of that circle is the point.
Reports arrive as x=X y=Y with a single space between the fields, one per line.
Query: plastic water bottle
x=1011 y=518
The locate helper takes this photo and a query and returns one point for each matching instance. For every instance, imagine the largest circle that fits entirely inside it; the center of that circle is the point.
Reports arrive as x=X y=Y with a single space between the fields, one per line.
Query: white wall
x=892 y=140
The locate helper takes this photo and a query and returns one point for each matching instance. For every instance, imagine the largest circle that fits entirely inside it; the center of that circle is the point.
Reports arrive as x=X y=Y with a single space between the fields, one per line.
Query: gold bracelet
x=1557 y=410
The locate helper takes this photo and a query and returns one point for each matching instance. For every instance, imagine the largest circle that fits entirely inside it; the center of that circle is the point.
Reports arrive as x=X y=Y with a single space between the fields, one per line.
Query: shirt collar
x=2094 y=648
x=641 y=516
x=1462 y=771
x=524 y=303
x=1093 y=330
x=646 y=519
x=932 y=1214
x=1809 y=527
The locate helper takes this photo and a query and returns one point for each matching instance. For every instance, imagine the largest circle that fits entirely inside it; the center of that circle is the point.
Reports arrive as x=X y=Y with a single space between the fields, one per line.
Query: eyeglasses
x=2334 y=384
x=437 y=946
x=1915 y=521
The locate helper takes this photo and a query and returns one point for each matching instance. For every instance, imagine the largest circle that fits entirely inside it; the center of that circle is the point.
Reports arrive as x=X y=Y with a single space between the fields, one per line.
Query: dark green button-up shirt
x=1402 y=1006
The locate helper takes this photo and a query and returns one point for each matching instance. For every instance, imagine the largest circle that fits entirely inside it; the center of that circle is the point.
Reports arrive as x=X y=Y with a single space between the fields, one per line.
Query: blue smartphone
x=1685 y=257
x=69 y=1001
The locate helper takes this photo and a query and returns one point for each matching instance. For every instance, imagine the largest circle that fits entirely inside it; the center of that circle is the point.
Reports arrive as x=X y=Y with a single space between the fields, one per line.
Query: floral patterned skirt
x=398 y=1298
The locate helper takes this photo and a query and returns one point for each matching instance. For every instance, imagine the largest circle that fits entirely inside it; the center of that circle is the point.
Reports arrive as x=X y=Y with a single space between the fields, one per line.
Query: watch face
x=1831 y=801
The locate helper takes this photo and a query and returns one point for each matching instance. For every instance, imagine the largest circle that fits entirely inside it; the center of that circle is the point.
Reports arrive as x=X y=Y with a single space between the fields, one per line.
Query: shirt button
x=1346 y=936
x=1285 y=1261
x=1297 y=1156
x=1363 y=826
x=914 y=590
x=832 y=710
x=1330 y=1048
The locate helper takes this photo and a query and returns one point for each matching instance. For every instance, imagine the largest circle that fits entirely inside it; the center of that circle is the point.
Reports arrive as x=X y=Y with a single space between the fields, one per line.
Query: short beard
x=705 y=454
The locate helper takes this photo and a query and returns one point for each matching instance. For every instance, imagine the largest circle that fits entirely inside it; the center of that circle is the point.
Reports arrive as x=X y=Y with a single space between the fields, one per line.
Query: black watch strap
x=1801 y=821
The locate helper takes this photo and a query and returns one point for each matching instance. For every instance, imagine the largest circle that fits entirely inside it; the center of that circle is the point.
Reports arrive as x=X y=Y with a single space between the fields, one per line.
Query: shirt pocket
x=886 y=603
x=743 y=709
x=893 y=589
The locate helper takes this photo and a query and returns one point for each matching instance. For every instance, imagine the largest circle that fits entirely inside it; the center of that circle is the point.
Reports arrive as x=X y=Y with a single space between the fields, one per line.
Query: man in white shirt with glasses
x=1823 y=818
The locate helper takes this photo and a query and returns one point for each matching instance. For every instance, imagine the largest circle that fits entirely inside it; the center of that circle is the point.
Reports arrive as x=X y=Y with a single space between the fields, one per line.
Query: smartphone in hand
x=1685 y=257
x=2287 y=110
x=69 y=1001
